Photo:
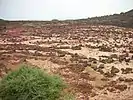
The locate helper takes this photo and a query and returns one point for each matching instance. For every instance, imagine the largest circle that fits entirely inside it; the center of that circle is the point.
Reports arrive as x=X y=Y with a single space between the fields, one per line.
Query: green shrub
x=30 y=83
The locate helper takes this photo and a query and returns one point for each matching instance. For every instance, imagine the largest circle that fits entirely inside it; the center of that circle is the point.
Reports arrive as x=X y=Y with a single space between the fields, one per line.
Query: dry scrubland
x=96 y=61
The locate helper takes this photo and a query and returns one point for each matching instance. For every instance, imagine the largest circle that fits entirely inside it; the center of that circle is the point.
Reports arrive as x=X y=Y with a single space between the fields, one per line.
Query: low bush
x=30 y=83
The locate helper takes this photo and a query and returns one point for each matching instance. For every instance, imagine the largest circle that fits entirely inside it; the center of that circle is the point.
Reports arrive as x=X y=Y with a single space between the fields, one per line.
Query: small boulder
x=111 y=89
x=121 y=79
x=108 y=74
x=100 y=71
x=94 y=66
x=132 y=57
x=128 y=80
x=127 y=59
x=101 y=66
x=121 y=58
x=121 y=87
x=61 y=55
x=105 y=48
x=126 y=71
x=114 y=56
x=76 y=48
x=114 y=70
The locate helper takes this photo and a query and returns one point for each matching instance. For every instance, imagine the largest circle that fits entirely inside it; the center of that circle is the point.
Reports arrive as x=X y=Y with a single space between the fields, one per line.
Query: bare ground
x=95 y=61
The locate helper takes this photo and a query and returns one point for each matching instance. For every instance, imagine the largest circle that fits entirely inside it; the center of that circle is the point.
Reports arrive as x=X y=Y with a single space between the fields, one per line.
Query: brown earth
x=95 y=61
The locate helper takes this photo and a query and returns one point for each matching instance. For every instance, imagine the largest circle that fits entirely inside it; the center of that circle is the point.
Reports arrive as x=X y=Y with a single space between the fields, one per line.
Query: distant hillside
x=2 y=22
x=122 y=19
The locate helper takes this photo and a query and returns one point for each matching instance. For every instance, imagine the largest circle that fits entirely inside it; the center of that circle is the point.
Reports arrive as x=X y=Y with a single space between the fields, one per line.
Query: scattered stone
x=132 y=57
x=121 y=58
x=95 y=62
x=126 y=71
x=127 y=59
x=131 y=50
x=61 y=55
x=100 y=87
x=127 y=63
x=84 y=87
x=112 y=83
x=38 y=53
x=101 y=66
x=121 y=79
x=105 y=48
x=75 y=55
x=85 y=75
x=76 y=48
x=121 y=87
x=114 y=42
x=93 y=94
x=108 y=74
x=107 y=60
x=94 y=66
x=36 y=58
x=89 y=64
x=114 y=56
x=105 y=92
x=111 y=89
x=114 y=70
x=128 y=80
x=126 y=54
x=105 y=79
x=101 y=71
x=92 y=59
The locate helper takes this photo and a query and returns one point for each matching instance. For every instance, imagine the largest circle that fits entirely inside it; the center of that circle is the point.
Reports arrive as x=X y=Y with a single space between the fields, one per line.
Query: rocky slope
x=122 y=19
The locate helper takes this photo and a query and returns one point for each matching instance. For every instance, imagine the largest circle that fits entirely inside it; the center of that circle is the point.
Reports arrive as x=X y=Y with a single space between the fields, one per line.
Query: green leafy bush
x=30 y=83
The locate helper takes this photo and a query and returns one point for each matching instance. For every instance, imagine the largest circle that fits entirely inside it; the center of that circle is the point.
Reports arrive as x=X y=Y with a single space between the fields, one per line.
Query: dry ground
x=95 y=61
